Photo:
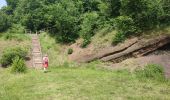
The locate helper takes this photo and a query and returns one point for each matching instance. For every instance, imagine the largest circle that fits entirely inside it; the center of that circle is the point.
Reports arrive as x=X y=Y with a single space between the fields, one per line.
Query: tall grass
x=17 y=37
x=56 y=52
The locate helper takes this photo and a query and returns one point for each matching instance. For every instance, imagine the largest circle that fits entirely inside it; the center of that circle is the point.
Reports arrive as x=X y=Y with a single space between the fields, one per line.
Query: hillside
x=95 y=50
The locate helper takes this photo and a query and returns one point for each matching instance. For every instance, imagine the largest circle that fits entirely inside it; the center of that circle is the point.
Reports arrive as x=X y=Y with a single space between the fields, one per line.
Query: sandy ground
x=133 y=63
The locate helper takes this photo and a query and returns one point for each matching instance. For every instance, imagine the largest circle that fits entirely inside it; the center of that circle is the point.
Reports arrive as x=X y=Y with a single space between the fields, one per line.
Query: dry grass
x=12 y=43
x=57 y=53
x=102 y=39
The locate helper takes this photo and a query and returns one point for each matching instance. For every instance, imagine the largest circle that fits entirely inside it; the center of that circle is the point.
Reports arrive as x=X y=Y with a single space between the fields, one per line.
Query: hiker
x=45 y=62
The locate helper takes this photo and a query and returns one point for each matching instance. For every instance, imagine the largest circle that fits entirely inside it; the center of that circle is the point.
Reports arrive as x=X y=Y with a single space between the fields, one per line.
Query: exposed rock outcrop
x=130 y=48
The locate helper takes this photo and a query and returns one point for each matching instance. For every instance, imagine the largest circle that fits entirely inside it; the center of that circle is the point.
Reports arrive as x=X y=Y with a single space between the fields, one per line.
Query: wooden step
x=36 y=49
x=37 y=56
x=37 y=60
x=36 y=52
x=36 y=46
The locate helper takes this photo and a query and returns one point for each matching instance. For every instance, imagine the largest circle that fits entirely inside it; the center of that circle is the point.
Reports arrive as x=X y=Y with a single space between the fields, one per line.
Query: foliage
x=164 y=18
x=68 y=20
x=17 y=37
x=16 y=29
x=10 y=53
x=4 y=22
x=151 y=71
x=70 y=51
x=88 y=26
x=145 y=13
x=125 y=26
x=18 y=65
x=119 y=37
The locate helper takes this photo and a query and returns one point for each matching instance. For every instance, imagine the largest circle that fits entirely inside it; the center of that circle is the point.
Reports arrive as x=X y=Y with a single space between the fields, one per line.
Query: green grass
x=57 y=53
x=79 y=84
x=71 y=81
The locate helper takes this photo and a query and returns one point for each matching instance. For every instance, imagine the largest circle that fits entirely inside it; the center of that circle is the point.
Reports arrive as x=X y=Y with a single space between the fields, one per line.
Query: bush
x=17 y=37
x=18 y=65
x=145 y=13
x=16 y=29
x=125 y=26
x=85 y=43
x=8 y=36
x=151 y=71
x=4 y=21
x=11 y=53
x=119 y=37
x=70 y=51
x=89 y=24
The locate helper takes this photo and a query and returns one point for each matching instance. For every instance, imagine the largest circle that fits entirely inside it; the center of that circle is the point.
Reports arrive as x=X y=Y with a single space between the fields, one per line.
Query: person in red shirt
x=45 y=62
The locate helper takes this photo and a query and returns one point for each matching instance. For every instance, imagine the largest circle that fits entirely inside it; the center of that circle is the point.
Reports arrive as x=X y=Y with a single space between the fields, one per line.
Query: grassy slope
x=16 y=40
x=56 y=52
x=77 y=83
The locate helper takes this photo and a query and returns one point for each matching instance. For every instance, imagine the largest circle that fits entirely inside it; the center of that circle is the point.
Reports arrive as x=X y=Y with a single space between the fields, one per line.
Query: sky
x=2 y=3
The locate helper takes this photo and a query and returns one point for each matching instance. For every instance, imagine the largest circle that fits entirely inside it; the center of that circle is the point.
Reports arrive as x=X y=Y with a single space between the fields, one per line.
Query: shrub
x=4 y=21
x=145 y=13
x=125 y=27
x=151 y=71
x=86 y=42
x=11 y=53
x=125 y=24
x=70 y=51
x=18 y=37
x=89 y=24
x=119 y=37
x=8 y=36
x=18 y=65
x=16 y=29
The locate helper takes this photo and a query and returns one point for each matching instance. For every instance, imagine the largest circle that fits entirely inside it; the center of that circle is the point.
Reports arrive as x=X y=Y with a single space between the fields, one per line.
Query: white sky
x=2 y=3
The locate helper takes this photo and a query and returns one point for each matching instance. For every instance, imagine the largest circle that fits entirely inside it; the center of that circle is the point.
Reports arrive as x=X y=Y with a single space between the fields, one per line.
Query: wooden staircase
x=36 y=52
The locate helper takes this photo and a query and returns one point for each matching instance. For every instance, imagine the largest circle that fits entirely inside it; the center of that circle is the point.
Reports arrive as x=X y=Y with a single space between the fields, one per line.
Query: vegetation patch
x=151 y=71
x=18 y=65
x=17 y=37
x=70 y=51
x=10 y=53
x=84 y=83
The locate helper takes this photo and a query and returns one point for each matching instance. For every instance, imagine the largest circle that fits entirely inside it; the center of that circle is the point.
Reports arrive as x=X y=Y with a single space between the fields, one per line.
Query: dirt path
x=36 y=52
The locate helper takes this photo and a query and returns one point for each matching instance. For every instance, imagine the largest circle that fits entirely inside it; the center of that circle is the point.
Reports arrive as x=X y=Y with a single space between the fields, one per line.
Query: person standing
x=45 y=62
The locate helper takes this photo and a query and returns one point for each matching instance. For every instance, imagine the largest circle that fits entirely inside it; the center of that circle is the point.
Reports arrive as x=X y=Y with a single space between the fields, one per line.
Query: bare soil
x=161 y=57
x=133 y=63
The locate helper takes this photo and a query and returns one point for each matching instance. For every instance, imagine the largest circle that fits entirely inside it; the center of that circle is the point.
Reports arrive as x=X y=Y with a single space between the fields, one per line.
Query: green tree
x=4 y=21
x=88 y=26
x=144 y=12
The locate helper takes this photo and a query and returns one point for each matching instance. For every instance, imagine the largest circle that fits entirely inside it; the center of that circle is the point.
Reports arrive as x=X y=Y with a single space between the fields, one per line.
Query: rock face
x=130 y=48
